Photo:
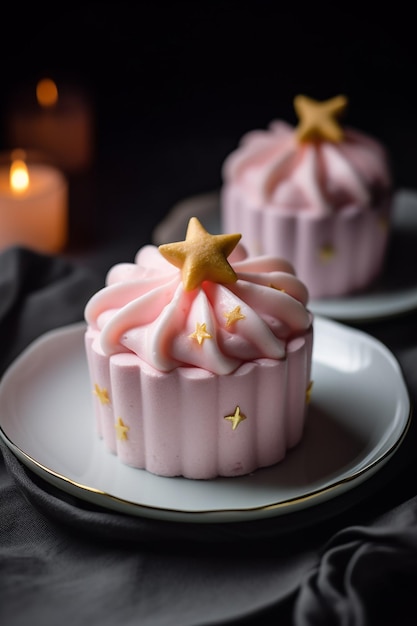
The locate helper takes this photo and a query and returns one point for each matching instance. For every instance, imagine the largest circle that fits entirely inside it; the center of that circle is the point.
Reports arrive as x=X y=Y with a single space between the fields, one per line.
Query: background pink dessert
x=200 y=381
x=318 y=195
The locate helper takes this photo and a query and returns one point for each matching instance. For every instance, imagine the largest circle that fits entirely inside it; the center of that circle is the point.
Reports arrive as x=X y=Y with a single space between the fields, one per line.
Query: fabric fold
x=38 y=293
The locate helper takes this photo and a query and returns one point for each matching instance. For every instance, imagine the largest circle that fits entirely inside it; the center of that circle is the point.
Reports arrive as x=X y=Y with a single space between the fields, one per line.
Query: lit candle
x=56 y=121
x=33 y=204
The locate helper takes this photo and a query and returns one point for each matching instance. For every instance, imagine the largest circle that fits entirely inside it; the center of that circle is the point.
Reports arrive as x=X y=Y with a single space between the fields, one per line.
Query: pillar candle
x=33 y=204
x=55 y=119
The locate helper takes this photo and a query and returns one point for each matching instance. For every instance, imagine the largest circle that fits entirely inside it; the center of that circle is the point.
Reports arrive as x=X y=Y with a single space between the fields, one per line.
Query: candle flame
x=46 y=92
x=19 y=176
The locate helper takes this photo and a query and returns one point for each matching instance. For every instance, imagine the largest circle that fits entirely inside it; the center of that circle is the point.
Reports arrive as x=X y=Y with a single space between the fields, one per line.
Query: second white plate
x=359 y=414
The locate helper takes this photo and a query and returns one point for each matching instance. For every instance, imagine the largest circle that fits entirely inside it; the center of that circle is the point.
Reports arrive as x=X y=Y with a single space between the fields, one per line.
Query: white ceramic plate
x=358 y=416
x=394 y=293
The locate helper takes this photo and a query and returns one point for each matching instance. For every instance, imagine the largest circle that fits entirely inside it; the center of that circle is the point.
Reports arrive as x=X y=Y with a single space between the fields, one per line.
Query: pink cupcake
x=200 y=367
x=318 y=195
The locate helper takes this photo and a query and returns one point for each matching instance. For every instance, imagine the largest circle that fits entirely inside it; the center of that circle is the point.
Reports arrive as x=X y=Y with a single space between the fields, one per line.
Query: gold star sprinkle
x=276 y=288
x=236 y=418
x=233 y=316
x=318 y=119
x=326 y=253
x=308 y=392
x=102 y=394
x=200 y=333
x=202 y=256
x=383 y=222
x=121 y=429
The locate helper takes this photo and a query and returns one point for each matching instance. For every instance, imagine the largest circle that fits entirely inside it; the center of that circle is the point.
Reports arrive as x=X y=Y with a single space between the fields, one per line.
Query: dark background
x=175 y=85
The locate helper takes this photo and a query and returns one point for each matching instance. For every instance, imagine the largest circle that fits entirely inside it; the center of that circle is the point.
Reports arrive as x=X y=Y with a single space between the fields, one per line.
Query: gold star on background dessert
x=121 y=429
x=308 y=392
x=200 y=333
x=236 y=418
x=233 y=316
x=318 y=119
x=102 y=394
x=326 y=253
x=202 y=256
x=383 y=222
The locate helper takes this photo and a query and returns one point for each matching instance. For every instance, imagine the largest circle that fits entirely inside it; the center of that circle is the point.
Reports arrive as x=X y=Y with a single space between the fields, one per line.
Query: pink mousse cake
x=318 y=195
x=200 y=367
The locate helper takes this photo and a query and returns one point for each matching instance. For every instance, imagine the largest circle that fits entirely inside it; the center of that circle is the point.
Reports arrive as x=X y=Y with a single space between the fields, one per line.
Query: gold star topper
x=318 y=120
x=202 y=256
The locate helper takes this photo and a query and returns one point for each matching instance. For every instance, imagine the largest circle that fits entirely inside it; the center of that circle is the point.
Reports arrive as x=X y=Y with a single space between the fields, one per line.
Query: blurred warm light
x=47 y=92
x=19 y=175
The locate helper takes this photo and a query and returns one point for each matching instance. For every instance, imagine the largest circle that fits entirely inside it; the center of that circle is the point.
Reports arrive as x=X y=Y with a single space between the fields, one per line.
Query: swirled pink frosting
x=275 y=168
x=144 y=309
